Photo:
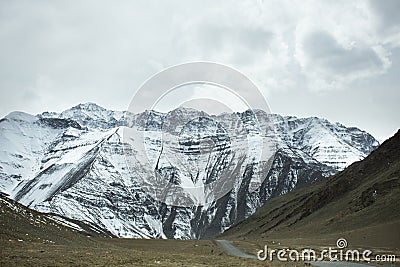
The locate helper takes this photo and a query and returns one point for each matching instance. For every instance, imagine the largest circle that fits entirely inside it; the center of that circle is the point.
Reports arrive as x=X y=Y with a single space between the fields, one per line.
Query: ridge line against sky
x=337 y=60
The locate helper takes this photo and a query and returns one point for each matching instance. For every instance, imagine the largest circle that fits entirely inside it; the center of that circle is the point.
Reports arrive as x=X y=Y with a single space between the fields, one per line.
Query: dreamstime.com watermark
x=338 y=253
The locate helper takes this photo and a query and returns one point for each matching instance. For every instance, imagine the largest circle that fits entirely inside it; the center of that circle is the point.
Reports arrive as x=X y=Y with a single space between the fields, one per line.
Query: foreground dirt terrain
x=122 y=252
x=117 y=253
x=30 y=238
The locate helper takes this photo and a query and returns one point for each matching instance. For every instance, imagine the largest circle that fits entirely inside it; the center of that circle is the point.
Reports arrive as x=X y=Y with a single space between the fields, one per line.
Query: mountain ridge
x=37 y=151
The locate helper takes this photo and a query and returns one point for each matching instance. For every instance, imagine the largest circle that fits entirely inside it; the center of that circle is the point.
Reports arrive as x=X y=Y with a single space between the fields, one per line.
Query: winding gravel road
x=234 y=251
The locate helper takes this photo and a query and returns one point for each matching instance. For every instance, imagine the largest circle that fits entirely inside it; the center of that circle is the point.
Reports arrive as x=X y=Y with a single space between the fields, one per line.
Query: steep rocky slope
x=359 y=203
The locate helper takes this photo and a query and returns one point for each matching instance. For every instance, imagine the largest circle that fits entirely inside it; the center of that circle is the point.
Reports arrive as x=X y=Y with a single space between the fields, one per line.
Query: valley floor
x=142 y=252
x=121 y=252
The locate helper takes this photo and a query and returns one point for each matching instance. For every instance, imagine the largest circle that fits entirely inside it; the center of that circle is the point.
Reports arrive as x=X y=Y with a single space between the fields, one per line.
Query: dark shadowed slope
x=21 y=224
x=361 y=203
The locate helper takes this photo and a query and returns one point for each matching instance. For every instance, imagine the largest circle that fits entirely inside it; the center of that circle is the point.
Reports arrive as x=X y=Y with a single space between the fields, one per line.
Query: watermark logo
x=341 y=243
x=338 y=253
x=190 y=157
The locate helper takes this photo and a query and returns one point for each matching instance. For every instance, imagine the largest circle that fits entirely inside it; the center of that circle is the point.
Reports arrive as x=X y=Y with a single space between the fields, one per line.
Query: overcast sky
x=334 y=59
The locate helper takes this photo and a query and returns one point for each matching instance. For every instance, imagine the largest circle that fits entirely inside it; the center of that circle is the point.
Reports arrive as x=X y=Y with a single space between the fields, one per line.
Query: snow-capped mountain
x=74 y=164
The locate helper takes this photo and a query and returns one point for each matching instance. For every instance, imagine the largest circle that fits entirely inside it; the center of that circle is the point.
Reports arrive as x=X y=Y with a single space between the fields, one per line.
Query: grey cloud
x=325 y=52
x=388 y=13
x=242 y=43
x=218 y=36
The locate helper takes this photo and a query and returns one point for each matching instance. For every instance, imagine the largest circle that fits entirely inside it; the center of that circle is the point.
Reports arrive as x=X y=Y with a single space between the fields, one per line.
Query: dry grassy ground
x=122 y=252
x=119 y=252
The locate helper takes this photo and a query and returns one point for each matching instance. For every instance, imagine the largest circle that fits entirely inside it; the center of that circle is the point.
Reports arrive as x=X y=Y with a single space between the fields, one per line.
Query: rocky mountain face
x=359 y=203
x=74 y=164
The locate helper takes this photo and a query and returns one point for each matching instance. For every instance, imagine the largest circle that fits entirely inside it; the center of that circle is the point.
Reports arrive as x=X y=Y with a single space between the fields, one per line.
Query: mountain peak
x=89 y=114
x=89 y=106
x=186 y=110
x=21 y=116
